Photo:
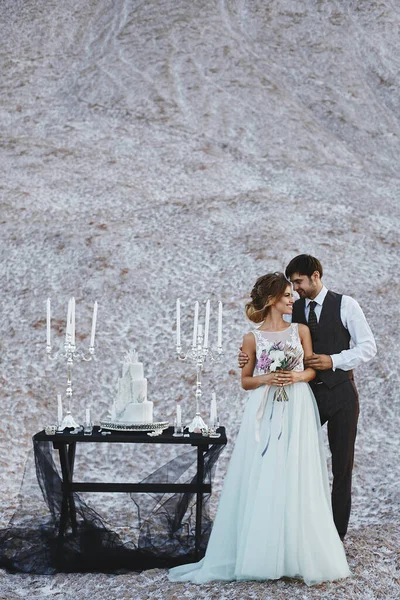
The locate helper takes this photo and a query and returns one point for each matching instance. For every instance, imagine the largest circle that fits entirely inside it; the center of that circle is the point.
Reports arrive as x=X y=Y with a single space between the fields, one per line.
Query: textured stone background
x=158 y=149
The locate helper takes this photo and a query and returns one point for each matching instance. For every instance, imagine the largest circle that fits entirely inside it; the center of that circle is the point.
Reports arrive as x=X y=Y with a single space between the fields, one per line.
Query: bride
x=274 y=517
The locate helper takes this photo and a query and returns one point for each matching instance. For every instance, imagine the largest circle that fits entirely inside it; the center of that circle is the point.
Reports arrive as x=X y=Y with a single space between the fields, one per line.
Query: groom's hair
x=304 y=264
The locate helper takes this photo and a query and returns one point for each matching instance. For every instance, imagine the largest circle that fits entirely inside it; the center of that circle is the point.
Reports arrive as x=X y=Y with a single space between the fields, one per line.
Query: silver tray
x=134 y=426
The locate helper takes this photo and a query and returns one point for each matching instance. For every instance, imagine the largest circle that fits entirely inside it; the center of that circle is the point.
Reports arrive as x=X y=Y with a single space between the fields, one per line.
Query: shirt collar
x=320 y=298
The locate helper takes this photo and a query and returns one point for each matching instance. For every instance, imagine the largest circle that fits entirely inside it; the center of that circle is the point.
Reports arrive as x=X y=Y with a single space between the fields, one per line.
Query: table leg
x=199 y=498
x=72 y=508
x=67 y=458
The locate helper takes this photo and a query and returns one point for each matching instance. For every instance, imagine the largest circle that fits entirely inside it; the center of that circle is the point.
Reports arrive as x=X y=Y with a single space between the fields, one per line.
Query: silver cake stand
x=156 y=427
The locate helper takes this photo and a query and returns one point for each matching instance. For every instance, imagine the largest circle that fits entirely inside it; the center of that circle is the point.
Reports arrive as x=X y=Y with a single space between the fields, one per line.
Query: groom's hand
x=319 y=362
x=243 y=359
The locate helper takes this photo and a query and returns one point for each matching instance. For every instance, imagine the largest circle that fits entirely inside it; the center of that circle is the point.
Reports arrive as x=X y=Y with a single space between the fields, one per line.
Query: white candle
x=87 y=416
x=68 y=329
x=94 y=320
x=178 y=323
x=59 y=409
x=48 y=316
x=200 y=330
x=219 y=343
x=207 y=324
x=73 y=322
x=195 y=324
x=213 y=410
x=178 y=415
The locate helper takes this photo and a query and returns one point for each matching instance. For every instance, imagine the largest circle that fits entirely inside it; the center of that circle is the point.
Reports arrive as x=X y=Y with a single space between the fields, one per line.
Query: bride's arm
x=248 y=381
x=288 y=377
x=306 y=342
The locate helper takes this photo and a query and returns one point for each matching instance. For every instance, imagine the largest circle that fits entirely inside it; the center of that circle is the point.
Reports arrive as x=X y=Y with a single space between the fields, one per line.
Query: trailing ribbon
x=282 y=415
x=270 y=428
x=260 y=412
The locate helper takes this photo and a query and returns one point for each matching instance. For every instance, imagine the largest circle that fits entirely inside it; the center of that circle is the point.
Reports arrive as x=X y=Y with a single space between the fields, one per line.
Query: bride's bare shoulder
x=249 y=339
x=303 y=329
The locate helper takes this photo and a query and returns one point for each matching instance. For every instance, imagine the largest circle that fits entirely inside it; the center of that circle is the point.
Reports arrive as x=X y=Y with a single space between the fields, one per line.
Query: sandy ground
x=151 y=150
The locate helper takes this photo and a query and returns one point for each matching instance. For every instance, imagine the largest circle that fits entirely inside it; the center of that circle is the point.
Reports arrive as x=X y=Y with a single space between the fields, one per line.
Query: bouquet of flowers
x=280 y=357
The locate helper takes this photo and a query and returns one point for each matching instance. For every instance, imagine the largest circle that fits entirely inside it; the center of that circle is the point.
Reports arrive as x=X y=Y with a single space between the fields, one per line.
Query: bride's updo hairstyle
x=267 y=290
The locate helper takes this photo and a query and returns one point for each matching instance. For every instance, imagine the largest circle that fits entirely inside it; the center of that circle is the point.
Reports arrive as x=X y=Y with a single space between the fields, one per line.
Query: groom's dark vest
x=331 y=337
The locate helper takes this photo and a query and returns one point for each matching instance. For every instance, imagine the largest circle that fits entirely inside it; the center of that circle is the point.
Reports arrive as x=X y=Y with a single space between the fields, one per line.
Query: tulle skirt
x=274 y=517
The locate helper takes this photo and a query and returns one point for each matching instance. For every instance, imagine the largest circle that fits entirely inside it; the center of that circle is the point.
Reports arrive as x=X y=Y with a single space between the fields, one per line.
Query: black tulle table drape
x=164 y=536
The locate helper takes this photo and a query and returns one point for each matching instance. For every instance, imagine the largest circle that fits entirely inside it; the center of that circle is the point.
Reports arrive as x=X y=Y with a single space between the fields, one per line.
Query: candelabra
x=71 y=353
x=198 y=355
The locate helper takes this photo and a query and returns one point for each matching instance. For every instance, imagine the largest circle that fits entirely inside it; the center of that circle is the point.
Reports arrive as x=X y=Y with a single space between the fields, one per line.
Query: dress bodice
x=288 y=338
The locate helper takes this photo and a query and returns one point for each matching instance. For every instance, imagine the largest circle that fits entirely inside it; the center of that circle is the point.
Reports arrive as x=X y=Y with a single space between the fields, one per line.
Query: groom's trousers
x=338 y=407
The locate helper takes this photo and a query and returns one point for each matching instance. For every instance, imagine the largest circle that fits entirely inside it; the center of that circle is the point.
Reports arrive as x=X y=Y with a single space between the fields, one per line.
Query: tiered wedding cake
x=131 y=405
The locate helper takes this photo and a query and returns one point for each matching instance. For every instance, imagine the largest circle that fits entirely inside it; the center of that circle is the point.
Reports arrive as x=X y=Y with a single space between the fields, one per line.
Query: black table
x=66 y=444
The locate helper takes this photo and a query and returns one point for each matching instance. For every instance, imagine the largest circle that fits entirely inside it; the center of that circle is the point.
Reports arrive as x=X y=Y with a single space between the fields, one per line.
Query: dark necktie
x=312 y=318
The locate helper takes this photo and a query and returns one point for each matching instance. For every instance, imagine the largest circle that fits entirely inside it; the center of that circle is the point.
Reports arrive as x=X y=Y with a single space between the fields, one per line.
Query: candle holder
x=198 y=355
x=212 y=429
x=178 y=429
x=70 y=354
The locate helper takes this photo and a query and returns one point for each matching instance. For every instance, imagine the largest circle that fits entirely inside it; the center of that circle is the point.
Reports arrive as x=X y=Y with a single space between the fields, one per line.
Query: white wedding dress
x=274 y=517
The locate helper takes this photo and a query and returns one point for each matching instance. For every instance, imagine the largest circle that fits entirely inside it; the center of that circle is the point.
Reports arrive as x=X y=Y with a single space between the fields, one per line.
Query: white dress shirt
x=362 y=343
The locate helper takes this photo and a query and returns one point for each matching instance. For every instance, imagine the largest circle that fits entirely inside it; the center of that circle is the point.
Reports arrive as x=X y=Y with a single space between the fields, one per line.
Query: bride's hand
x=271 y=378
x=277 y=378
x=288 y=377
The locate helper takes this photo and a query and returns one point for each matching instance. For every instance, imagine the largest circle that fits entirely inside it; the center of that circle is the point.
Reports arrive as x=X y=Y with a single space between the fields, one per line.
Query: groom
x=333 y=320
